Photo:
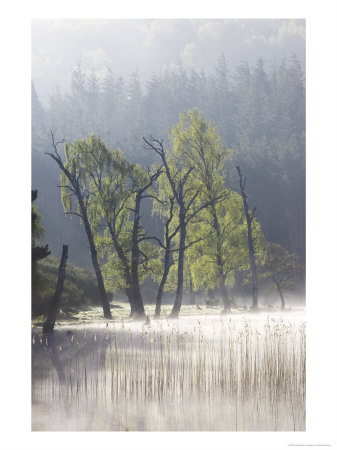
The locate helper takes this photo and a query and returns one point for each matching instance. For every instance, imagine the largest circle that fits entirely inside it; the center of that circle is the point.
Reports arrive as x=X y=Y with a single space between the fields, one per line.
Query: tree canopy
x=200 y=240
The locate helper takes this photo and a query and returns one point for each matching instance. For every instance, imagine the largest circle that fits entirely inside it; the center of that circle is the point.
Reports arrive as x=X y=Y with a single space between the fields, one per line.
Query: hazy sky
x=152 y=45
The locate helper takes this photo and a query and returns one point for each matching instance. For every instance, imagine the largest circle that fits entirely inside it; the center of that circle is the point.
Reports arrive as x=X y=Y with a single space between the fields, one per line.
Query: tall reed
x=207 y=375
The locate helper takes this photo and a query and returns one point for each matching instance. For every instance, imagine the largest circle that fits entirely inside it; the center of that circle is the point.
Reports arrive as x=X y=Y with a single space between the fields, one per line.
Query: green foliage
x=216 y=244
x=259 y=114
x=80 y=288
x=38 y=252
x=114 y=270
x=196 y=166
x=225 y=250
x=196 y=143
x=113 y=184
x=37 y=228
x=220 y=229
x=87 y=160
x=259 y=111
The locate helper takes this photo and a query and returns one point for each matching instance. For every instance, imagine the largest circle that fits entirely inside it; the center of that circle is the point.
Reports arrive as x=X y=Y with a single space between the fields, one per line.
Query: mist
x=153 y=46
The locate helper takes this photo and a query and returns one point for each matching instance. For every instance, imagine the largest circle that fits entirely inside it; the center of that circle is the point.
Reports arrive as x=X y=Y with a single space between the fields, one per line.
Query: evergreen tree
x=221 y=101
x=38 y=112
x=38 y=252
x=76 y=102
x=93 y=107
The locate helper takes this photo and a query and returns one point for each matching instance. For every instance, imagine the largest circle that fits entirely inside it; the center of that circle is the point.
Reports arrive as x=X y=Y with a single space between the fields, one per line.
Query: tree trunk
x=179 y=293
x=137 y=296
x=129 y=293
x=249 y=219
x=48 y=326
x=162 y=282
x=94 y=259
x=280 y=293
x=220 y=262
x=253 y=267
x=224 y=294
x=159 y=298
x=122 y=257
x=192 y=293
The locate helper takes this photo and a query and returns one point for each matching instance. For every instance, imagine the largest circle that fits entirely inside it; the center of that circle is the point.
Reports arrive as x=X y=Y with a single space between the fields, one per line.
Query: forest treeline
x=260 y=115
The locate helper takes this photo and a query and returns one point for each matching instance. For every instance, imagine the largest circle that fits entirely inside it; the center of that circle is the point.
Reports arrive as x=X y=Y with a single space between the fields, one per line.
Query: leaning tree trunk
x=49 y=324
x=180 y=283
x=94 y=259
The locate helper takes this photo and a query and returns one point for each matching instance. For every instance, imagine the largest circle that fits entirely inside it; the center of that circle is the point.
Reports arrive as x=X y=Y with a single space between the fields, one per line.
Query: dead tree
x=49 y=324
x=249 y=218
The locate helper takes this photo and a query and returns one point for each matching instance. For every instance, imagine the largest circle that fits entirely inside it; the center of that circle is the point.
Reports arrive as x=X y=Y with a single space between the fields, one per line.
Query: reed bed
x=202 y=374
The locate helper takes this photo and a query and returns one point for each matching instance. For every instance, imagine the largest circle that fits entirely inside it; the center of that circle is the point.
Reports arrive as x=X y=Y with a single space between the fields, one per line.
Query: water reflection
x=192 y=374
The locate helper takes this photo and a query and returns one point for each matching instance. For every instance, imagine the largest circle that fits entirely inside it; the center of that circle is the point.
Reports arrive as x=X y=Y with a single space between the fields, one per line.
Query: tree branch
x=74 y=213
x=147 y=238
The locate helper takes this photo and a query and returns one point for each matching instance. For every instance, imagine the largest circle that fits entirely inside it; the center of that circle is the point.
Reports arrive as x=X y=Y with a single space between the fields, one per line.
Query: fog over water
x=212 y=373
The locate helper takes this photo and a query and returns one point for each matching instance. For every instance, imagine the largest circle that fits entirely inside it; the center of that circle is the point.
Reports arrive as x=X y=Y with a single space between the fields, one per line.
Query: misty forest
x=168 y=235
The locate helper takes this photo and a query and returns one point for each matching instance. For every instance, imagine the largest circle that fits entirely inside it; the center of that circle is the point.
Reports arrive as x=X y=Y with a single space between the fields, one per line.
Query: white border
x=321 y=221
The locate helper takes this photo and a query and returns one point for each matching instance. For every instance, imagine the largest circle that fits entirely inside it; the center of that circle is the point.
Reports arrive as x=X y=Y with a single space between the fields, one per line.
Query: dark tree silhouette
x=49 y=324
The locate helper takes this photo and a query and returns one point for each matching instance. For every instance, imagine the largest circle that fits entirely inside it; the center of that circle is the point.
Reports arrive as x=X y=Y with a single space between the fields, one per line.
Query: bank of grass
x=80 y=289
